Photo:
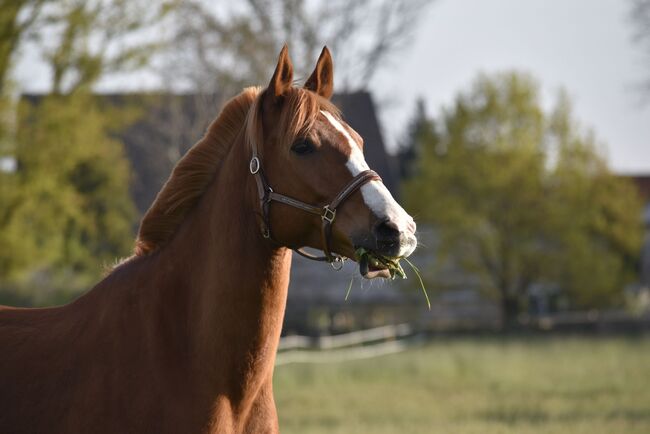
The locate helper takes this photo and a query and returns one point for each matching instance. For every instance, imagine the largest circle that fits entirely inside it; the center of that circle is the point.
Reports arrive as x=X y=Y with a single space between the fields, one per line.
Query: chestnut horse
x=182 y=336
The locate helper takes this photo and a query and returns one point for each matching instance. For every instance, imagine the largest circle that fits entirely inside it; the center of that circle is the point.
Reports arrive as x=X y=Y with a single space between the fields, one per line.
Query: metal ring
x=254 y=165
x=340 y=261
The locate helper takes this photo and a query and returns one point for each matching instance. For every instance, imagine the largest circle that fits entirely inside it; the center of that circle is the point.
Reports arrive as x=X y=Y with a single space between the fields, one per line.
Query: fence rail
x=361 y=337
x=391 y=339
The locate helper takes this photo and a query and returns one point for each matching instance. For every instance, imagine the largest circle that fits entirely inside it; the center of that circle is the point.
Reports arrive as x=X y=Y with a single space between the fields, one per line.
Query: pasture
x=475 y=385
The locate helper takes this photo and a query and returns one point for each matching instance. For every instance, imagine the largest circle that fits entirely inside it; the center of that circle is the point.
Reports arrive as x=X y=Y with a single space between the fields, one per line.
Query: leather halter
x=327 y=212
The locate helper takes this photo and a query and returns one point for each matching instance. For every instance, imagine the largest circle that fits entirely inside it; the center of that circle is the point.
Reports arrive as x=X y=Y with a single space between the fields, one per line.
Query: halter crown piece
x=327 y=212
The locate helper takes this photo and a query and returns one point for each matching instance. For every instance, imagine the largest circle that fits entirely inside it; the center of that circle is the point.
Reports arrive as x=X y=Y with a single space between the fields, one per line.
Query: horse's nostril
x=387 y=231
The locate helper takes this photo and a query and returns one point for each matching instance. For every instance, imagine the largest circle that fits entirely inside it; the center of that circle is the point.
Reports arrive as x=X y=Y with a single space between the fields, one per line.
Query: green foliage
x=521 y=198
x=68 y=209
x=98 y=37
x=17 y=17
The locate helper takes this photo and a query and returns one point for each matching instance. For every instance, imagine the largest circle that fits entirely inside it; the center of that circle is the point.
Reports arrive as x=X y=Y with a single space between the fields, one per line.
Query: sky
x=583 y=46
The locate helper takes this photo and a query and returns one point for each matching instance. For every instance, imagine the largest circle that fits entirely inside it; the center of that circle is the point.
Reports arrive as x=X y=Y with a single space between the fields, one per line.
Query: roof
x=358 y=110
x=643 y=184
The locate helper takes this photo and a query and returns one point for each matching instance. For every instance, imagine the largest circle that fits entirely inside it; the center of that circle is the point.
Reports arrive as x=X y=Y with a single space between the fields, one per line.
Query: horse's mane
x=192 y=175
x=194 y=172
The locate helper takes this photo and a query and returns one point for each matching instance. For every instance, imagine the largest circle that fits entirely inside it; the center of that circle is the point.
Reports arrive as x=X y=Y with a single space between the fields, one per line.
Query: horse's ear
x=283 y=75
x=321 y=80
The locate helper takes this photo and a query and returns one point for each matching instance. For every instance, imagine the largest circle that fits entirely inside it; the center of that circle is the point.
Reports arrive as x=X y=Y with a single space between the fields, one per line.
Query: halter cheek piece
x=327 y=212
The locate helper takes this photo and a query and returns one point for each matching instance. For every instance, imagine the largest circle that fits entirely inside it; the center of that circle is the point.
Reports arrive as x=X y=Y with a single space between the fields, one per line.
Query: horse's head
x=309 y=156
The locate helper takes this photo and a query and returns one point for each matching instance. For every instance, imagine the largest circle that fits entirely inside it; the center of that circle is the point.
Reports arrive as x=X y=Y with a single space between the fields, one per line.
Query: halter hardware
x=327 y=213
x=338 y=262
x=254 y=165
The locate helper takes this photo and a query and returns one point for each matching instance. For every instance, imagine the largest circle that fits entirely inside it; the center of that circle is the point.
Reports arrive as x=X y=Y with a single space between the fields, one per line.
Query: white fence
x=360 y=337
x=356 y=345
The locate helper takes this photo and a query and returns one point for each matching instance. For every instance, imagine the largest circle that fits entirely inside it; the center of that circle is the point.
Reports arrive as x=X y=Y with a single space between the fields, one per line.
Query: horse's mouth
x=370 y=267
x=370 y=271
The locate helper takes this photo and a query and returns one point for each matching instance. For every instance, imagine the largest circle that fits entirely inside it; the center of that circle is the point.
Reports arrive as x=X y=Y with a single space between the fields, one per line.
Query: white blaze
x=375 y=194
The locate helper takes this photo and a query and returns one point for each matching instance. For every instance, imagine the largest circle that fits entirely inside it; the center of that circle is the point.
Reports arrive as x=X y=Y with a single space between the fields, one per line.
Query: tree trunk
x=510 y=306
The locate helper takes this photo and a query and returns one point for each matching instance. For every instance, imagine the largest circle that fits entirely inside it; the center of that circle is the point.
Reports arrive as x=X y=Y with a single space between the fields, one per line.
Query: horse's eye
x=303 y=147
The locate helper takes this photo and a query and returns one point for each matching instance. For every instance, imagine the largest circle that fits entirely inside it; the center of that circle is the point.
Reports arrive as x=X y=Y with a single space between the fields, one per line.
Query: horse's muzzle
x=390 y=241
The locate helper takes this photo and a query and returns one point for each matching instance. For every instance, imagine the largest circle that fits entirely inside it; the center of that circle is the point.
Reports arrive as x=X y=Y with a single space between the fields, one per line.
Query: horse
x=181 y=337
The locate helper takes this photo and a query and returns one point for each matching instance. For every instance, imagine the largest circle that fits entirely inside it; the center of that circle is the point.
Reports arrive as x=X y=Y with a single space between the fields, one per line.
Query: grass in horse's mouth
x=372 y=264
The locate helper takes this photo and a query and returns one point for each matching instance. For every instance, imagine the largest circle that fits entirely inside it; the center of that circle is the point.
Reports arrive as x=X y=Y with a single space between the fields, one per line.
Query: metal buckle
x=266 y=233
x=254 y=165
x=267 y=195
x=338 y=262
x=328 y=214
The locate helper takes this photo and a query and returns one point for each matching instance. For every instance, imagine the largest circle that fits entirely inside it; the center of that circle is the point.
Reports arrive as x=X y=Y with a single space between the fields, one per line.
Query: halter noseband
x=327 y=212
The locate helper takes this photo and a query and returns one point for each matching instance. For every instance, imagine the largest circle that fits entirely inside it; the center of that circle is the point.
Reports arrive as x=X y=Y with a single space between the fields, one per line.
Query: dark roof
x=643 y=184
x=358 y=110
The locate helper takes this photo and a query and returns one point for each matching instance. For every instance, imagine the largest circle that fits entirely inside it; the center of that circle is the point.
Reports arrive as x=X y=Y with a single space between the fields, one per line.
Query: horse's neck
x=231 y=282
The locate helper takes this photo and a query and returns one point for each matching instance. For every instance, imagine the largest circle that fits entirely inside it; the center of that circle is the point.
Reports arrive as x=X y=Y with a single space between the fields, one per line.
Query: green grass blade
x=349 y=288
x=417 y=273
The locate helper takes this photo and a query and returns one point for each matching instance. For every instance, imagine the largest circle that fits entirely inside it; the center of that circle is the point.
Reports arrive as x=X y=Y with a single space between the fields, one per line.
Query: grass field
x=488 y=385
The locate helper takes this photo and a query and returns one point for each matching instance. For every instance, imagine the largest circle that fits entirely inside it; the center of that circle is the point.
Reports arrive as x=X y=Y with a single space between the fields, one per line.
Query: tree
x=521 y=198
x=17 y=18
x=233 y=46
x=600 y=226
x=66 y=209
x=71 y=211
x=95 y=38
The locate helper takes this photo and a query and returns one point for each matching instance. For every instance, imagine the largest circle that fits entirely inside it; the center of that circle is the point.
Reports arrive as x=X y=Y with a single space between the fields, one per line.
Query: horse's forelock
x=300 y=109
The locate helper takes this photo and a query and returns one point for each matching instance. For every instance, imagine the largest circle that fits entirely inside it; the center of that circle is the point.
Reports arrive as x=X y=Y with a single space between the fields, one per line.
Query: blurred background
x=517 y=133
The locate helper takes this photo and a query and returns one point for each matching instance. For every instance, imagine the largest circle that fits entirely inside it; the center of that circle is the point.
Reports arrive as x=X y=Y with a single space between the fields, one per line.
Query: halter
x=327 y=212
